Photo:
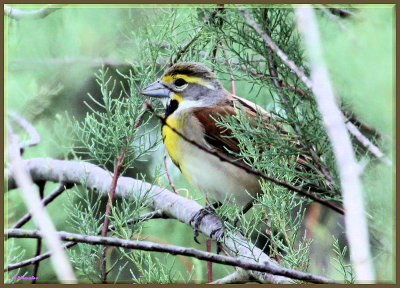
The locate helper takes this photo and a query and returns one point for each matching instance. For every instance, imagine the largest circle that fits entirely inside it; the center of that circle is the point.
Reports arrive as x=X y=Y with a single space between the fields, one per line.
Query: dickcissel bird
x=194 y=97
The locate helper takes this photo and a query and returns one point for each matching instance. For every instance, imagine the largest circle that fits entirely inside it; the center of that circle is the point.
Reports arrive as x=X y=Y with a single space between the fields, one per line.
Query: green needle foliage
x=111 y=126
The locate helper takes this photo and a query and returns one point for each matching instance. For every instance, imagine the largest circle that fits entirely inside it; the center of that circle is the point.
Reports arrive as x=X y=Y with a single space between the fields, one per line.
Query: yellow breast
x=171 y=139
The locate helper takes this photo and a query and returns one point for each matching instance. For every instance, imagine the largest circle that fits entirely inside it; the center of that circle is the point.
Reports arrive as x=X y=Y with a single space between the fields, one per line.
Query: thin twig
x=104 y=231
x=193 y=39
x=174 y=250
x=369 y=129
x=186 y=46
x=158 y=214
x=60 y=262
x=356 y=224
x=24 y=64
x=171 y=184
x=228 y=62
x=341 y=12
x=49 y=198
x=19 y=14
x=208 y=249
x=209 y=263
x=269 y=235
x=367 y=143
x=117 y=171
x=333 y=18
x=28 y=128
x=285 y=59
x=248 y=169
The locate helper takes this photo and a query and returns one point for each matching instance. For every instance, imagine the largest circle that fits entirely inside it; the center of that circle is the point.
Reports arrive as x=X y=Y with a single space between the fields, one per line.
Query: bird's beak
x=156 y=89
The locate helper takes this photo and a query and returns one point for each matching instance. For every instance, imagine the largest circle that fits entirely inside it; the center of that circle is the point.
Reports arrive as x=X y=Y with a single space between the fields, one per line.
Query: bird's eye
x=179 y=82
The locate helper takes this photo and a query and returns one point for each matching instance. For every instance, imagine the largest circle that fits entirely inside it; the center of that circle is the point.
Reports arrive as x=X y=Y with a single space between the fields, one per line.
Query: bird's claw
x=218 y=233
x=196 y=220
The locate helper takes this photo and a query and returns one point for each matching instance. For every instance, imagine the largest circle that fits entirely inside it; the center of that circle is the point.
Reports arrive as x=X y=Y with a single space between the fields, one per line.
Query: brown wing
x=217 y=137
x=221 y=138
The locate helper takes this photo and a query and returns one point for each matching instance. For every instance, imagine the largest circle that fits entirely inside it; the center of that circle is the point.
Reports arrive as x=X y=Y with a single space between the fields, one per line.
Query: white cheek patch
x=187 y=104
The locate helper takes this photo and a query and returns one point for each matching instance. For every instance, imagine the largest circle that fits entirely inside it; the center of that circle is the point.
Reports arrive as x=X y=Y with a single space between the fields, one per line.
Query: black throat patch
x=171 y=107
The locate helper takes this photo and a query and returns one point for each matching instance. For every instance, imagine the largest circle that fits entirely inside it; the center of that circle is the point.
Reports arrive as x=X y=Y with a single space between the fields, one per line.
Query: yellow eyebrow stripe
x=188 y=79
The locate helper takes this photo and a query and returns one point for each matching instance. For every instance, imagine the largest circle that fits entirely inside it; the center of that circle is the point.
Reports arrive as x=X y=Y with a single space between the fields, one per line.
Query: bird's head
x=189 y=84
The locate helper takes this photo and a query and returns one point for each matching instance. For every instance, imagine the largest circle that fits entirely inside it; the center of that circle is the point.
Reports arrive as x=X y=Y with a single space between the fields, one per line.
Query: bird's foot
x=196 y=220
x=218 y=233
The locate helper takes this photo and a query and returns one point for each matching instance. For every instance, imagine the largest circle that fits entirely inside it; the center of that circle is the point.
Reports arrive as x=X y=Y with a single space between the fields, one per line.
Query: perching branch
x=248 y=169
x=285 y=59
x=20 y=14
x=173 y=205
x=174 y=250
x=42 y=220
x=356 y=224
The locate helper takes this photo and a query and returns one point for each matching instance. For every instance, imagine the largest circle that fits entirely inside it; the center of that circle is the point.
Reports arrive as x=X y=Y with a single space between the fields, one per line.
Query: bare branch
x=356 y=224
x=60 y=261
x=21 y=14
x=158 y=214
x=174 y=250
